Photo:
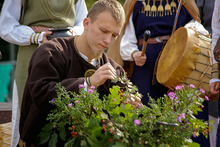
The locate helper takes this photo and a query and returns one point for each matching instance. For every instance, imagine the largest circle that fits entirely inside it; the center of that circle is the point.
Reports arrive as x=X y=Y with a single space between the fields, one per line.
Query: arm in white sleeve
x=215 y=31
x=10 y=28
x=128 y=41
x=81 y=13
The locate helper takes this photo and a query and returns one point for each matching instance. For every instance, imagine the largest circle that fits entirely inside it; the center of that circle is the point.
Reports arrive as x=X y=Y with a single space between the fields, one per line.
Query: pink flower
x=179 y=118
x=90 y=91
x=81 y=85
x=183 y=115
x=137 y=122
x=194 y=134
x=191 y=85
x=70 y=105
x=203 y=91
x=207 y=98
x=178 y=87
x=92 y=87
x=52 y=102
x=171 y=95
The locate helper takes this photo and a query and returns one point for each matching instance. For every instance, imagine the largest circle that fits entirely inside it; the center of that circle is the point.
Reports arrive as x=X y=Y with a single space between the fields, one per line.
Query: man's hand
x=214 y=88
x=45 y=36
x=135 y=102
x=139 y=60
x=103 y=73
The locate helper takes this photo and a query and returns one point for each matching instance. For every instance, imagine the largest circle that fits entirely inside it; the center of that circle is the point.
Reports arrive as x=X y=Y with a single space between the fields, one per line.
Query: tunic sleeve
x=49 y=65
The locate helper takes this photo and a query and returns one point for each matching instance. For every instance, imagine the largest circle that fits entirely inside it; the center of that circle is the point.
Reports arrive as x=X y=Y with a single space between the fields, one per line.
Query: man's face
x=101 y=33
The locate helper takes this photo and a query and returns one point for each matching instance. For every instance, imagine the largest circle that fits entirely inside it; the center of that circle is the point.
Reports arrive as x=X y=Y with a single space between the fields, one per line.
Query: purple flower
x=194 y=134
x=90 y=91
x=178 y=87
x=137 y=122
x=183 y=115
x=81 y=85
x=171 y=95
x=187 y=123
x=77 y=101
x=191 y=85
x=114 y=100
x=179 y=118
x=203 y=91
x=177 y=102
x=52 y=102
x=207 y=98
x=70 y=105
x=138 y=106
x=92 y=87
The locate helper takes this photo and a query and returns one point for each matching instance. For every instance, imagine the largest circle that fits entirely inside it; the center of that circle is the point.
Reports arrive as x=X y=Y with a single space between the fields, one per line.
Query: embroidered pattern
x=161 y=10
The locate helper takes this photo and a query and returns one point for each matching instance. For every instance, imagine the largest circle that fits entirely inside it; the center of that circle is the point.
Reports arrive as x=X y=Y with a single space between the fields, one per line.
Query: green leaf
x=44 y=137
x=69 y=143
x=83 y=143
x=62 y=133
x=48 y=127
x=53 y=140
x=90 y=141
x=194 y=144
x=118 y=144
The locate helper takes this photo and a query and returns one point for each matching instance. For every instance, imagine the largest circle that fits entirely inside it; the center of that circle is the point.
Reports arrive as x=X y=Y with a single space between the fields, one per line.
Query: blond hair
x=112 y=6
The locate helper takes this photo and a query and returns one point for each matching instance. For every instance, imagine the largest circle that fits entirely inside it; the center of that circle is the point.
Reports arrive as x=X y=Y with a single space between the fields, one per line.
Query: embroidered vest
x=48 y=13
x=158 y=16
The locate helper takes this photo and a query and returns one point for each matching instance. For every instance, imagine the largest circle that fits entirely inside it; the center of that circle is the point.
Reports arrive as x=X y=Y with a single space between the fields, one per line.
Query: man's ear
x=86 y=22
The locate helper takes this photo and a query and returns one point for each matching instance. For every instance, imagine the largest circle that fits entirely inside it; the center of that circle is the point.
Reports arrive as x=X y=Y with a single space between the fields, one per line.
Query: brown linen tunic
x=55 y=61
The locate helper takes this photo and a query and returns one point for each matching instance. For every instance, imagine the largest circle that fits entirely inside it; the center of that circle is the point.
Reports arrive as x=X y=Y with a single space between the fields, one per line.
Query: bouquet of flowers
x=85 y=120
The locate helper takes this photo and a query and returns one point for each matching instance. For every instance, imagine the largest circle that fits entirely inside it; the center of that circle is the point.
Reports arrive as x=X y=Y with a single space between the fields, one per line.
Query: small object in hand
x=61 y=32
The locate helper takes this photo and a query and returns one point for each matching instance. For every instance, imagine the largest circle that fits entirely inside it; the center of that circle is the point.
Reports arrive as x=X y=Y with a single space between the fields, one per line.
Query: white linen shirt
x=12 y=31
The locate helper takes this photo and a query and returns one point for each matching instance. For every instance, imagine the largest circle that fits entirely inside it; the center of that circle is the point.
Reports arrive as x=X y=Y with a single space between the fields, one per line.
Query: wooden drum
x=186 y=59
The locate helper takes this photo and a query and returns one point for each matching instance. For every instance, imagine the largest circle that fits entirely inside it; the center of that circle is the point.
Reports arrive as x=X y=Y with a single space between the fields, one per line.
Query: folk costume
x=160 y=24
x=158 y=17
x=55 y=61
x=23 y=22
x=215 y=36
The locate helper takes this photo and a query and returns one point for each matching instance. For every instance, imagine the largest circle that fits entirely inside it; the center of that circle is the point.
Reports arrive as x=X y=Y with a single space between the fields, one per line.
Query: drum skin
x=186 y=59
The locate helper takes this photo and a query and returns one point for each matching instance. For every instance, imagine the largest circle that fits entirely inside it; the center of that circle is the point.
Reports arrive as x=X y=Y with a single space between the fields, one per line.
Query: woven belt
x=155 y=40
x=39 y=29
x=24 y=144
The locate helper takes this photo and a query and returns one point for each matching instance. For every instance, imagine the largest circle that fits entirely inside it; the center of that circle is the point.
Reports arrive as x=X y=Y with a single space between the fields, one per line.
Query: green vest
x=48 y=13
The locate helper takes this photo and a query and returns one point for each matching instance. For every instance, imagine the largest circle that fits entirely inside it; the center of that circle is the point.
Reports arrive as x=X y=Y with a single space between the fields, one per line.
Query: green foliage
x=89 y=3
x=113 y=121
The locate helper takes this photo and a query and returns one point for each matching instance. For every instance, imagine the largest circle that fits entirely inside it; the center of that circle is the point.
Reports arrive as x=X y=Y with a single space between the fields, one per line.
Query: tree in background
x=90 y=2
